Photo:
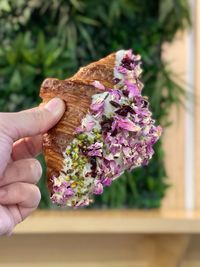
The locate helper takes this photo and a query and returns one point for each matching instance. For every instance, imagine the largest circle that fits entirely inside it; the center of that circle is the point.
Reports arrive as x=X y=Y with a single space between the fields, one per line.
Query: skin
x=20 y=141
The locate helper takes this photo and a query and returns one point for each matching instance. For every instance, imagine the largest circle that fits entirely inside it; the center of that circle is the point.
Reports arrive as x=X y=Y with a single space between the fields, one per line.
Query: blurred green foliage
x=42 y=38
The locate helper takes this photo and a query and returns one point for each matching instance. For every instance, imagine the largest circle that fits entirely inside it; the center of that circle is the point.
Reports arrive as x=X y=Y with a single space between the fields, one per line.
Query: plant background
x=40 y=39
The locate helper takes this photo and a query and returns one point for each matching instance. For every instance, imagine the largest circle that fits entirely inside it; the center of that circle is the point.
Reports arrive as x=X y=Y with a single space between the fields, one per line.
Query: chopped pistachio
x=75 y=164
x=67 y=151
x=73 y=185
x=81 y=183
x=74 y=177
x=80 y=161
x=98 y=135
x=67 y=178
x=74 y=156
x=82 y=136
x=76 y=150
x=96 y=130
x=73 y=145
x=79 y=191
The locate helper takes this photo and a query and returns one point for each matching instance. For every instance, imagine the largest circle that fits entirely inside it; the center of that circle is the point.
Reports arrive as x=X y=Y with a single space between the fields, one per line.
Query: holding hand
x=20 y=141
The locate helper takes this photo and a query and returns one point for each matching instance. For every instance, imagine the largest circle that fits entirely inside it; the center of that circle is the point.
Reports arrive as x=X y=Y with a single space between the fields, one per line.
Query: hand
x=20 y=142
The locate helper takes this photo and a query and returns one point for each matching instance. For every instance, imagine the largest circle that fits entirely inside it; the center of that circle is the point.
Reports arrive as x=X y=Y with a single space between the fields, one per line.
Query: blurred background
x=147 y=217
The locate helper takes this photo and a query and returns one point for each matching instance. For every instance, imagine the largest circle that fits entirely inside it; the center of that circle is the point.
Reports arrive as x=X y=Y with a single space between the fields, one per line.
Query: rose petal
x=98 y=85
x=98 y=188
x=132 y=88
x=127 y=124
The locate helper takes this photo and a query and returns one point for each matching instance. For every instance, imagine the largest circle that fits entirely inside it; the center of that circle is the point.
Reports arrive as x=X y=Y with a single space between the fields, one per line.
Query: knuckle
x=19 y=190
x=36 y=170
x=31 y=197
x=40 y=119
x=36 y=196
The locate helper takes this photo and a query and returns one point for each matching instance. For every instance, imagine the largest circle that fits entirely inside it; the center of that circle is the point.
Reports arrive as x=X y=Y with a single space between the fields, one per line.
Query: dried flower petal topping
x=117 y=134
x=98 y=85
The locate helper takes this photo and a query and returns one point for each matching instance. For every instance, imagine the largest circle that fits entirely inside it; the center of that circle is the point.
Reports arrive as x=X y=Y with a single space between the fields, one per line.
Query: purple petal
x=127 y=151
x=129 y=54
x=109 y=157
x=132 y=88
x=127 y=124
x=149 y=150
x=98 y=85
x=114 y=125
x=68 y=192
x=97 y=108
x=117 y=94
x=96 y=145
x=82 y=203
x=98 y=188
x=107 y=181
x=115 y=168
x=89 y=126
x=95 y=153
x=115 y=149
x=79 y=129
x=122 y=70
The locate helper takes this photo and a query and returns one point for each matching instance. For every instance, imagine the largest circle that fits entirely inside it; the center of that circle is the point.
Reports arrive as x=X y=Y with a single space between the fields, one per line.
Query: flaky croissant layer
x=116 y=131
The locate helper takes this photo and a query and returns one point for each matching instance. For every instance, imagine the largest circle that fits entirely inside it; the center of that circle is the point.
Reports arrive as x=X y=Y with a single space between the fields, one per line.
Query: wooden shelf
x=111 y=221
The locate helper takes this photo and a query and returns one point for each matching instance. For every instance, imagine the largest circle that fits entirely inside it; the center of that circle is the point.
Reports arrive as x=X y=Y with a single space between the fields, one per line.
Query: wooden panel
x=91 y=222
x=192 y=255
x=95 y=250
x=174 y=144
x=120 y=250
x=197 y=103
x=76 y=251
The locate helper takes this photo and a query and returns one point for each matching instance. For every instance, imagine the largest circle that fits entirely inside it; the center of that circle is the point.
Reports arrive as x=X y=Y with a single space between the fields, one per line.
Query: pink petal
x=96 y=106
x=132 y=88
x=89 y=126
x=127 y=125
x=98 y=189
x=98 y=85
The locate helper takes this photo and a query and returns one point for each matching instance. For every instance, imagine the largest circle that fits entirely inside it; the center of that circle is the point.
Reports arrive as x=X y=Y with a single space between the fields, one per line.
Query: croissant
x=107 y=128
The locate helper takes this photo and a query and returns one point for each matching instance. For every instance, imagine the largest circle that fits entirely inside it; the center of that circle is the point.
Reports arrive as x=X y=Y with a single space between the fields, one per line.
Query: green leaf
x=5 y=6
x=53 y=56
x=87 y=20
x=29 y=56
x=87 y=38
x=15 y=81
x=11 y=57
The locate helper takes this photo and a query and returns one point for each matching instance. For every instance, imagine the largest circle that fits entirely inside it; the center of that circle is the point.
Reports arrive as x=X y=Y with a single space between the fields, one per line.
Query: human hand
x=20 y=141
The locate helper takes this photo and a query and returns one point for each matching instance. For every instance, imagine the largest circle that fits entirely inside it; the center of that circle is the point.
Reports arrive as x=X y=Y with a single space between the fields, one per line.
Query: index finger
x=33 y=121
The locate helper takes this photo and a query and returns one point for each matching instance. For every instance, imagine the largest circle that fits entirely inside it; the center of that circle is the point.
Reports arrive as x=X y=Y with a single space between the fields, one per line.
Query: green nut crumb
x=82 y=136
x=76 y=149
x=74 y=156
x=67 y=178
x=67 y=151
x=96 y=130
x=98 y=135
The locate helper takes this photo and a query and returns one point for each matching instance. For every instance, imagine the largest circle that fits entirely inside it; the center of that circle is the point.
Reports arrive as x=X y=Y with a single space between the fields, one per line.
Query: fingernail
x=55 y=106
x=2 y=193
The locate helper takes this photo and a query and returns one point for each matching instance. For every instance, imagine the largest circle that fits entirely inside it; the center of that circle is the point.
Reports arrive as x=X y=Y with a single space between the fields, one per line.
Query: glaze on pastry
x=107 y=128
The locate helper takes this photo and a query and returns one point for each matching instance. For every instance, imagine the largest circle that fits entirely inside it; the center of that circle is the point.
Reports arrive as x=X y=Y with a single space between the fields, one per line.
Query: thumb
x=33 y=121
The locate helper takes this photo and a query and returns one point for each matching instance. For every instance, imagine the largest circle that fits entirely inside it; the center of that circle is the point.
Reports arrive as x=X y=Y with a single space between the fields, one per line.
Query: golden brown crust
x=76 y=92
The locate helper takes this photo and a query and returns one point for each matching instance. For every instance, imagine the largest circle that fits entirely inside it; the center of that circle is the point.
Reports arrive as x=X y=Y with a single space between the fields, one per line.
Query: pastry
x=107 y=128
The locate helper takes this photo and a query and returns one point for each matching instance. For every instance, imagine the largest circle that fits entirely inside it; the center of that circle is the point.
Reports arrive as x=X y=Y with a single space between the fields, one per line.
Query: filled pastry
x=107 y=128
